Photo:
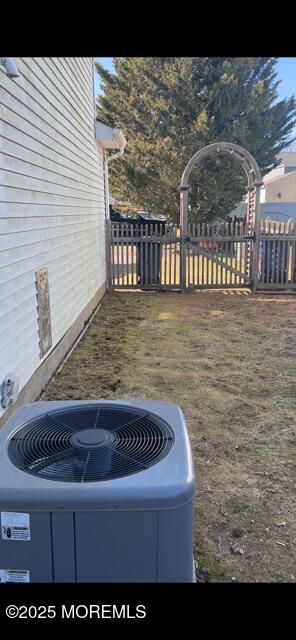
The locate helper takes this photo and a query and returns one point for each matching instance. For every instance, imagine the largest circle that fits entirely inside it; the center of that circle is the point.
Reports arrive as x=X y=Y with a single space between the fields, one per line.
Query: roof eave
x=109 y=137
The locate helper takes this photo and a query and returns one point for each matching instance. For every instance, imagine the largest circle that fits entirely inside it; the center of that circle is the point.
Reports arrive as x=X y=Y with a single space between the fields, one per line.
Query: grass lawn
x=229 y=360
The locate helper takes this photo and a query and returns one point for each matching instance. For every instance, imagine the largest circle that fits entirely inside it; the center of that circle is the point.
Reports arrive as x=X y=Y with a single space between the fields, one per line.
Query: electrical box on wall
x=9 y=390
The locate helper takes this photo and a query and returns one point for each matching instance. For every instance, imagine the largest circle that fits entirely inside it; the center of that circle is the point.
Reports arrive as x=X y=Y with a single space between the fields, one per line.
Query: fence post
x=109 y=283
x=255 y=265
x=183 y=233
x=182 y=259
x=292 y=243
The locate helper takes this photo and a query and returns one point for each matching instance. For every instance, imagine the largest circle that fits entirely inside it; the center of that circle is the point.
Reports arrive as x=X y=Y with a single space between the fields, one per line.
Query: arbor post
x=256 y=252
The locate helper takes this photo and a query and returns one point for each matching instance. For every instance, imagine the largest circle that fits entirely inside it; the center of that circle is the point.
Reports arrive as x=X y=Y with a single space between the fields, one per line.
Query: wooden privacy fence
x=145 y=256
x=277 y=255
x=213 y=255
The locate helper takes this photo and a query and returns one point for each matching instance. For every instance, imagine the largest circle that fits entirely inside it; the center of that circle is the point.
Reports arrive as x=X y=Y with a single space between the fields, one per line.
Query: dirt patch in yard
x=229 y=360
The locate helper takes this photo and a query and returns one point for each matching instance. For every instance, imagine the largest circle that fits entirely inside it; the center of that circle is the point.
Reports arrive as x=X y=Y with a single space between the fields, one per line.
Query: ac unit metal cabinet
x=96 y=491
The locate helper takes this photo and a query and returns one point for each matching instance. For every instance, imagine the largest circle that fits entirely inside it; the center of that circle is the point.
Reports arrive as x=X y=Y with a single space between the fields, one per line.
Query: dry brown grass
x=228 y=359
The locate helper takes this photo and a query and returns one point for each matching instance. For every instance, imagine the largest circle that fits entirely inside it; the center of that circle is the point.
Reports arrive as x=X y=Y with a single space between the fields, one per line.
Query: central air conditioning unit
x=99 y=491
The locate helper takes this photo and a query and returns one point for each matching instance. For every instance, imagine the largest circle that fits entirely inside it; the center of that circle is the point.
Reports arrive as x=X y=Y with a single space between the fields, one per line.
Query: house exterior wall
x=281 y=189
x=52 y=208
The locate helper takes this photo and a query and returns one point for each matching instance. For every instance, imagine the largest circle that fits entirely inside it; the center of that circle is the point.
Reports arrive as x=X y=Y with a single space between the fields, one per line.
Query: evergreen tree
x=169 y=108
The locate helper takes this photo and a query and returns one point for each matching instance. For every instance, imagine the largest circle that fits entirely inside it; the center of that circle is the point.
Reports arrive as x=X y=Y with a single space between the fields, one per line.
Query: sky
x=286 y=68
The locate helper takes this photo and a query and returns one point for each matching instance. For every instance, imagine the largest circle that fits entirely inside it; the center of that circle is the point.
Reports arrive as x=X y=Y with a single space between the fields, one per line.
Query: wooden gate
x=219 y=255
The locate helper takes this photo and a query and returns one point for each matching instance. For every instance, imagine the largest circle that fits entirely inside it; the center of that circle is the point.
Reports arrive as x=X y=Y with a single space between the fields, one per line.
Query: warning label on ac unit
x=15 y=526
x=14 y=575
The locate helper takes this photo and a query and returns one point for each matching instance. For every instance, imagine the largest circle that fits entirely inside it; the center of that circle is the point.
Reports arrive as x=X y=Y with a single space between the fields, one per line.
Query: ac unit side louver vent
x=90 y=444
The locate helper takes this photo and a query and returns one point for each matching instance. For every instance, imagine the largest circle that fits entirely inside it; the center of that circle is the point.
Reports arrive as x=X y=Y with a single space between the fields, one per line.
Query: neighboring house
x=280 y=189
x=287 y=165
x=53 y=193
x=278 y=193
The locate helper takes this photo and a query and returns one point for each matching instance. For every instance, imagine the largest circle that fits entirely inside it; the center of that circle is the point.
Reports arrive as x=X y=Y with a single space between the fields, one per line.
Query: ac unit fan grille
x=90 y=444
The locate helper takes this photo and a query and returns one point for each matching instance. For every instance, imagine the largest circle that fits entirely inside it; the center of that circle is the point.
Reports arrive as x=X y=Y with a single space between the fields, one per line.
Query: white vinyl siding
x=51 y=203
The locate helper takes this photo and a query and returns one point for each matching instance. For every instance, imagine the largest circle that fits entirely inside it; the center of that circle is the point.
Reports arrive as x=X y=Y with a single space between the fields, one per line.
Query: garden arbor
x=219 y=254
x=254 y=182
